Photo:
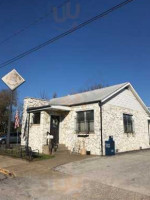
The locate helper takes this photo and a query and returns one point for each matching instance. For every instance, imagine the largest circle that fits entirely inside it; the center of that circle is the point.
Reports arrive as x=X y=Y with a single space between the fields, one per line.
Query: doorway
x=54 y=130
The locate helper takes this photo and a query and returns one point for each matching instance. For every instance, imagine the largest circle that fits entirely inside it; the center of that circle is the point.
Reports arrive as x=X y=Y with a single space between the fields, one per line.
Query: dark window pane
x=90 y=115
x=128 y=123
x=85 y=121
x=36 y=118
x=80 y=116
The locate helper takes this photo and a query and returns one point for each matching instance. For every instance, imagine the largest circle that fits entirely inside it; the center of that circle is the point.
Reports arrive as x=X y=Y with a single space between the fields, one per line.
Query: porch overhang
x=49 y=108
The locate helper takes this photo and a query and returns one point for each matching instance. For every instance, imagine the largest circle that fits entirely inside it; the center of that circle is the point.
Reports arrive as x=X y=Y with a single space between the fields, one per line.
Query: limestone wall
x=125 y=103
x=36 y=138
x=69 y=137
x=38 y=132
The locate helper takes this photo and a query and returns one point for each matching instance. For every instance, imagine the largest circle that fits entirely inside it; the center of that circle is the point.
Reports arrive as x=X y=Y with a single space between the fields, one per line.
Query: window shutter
x=125 y=123
x=76 y=123
x=133 y=125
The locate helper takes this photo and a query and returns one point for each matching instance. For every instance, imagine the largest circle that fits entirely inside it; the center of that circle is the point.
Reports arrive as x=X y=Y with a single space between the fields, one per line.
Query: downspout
x=28 y=131
x=101 y=127
x=149 y=130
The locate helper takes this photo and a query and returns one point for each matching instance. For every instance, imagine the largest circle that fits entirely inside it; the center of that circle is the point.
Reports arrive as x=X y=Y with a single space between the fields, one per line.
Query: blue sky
x=112 y=50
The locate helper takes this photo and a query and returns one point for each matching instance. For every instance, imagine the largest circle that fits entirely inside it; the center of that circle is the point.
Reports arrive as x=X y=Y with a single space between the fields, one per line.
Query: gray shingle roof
x=86 y=97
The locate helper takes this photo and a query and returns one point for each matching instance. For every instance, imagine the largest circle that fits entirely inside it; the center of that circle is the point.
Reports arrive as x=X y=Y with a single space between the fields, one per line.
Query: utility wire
x=18 y=57
x=36 y=21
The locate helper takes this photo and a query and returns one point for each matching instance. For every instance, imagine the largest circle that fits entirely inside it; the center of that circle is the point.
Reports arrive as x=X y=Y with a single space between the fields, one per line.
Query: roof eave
x=49 y=108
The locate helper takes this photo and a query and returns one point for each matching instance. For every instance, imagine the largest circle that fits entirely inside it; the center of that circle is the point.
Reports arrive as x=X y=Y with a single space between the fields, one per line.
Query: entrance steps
x=62 y=149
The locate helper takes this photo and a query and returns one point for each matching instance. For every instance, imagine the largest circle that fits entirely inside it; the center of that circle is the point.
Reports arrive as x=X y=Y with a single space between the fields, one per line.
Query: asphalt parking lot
x=129 y=171
x=122 y=177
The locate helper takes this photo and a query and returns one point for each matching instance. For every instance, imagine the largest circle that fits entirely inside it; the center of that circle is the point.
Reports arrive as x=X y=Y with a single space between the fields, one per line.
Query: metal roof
x=103 y=95
x=88 y=97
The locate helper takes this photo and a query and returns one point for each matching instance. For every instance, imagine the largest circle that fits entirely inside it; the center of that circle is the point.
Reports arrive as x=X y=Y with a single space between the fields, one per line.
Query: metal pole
x=9 y=120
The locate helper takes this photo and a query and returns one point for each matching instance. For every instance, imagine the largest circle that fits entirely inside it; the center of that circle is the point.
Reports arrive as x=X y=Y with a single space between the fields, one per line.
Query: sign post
x=13 y=80
x=17 y=123
x=9 y=118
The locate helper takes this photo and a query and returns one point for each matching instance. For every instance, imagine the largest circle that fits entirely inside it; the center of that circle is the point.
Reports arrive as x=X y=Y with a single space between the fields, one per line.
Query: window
x=128 y=123
x=36 y=118
x=85 y=121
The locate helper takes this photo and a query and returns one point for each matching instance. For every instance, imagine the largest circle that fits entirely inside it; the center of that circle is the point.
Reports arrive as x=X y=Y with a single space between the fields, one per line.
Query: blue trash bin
x=110 y=147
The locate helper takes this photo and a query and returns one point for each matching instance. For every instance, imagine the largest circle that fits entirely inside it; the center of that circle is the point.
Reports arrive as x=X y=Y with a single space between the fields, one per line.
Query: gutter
x=31 y=109
x=101 y=123
x=149 y=130
x=28 y=131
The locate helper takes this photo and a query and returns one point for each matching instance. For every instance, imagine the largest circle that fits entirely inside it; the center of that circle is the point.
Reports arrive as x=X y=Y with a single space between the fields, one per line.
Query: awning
x=48 y=108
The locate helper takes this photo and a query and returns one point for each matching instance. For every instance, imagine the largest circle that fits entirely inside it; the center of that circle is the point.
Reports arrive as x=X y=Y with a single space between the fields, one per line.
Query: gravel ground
x=2 y=177
x=68 y=188
x=127 y=171
x=81 y=179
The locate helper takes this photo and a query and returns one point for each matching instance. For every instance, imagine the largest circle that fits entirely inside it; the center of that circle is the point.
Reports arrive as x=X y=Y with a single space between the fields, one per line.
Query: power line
x=18 y=57
x=36 y=21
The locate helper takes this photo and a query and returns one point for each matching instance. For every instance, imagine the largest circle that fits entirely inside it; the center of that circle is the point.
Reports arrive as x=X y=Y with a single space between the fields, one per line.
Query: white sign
x=13 y=79
x=50 y=137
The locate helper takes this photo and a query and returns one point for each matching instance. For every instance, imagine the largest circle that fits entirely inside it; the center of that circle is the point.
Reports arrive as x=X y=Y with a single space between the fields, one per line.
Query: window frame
x=33 y=120
x=129 y=124
x=86 y=123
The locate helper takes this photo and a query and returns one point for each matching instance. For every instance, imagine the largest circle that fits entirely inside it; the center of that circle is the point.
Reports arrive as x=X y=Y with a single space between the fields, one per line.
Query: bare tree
x=54 y=95
x=5 y=98
x=90 y=88
x=44 y=95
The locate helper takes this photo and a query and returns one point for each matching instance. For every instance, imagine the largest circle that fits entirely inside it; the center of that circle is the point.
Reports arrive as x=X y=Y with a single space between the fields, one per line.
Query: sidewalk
x=23 y=168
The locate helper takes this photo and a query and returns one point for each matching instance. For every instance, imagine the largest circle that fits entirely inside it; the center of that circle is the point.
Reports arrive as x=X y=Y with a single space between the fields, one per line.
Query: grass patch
x=17 y=152
x=42 y=157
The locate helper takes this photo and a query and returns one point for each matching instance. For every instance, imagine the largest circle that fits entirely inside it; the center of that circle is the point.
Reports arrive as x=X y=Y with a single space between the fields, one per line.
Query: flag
x=17 y=122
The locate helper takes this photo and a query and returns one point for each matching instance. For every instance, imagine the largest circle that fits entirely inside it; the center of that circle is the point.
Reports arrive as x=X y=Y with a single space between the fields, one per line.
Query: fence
x=18 y=151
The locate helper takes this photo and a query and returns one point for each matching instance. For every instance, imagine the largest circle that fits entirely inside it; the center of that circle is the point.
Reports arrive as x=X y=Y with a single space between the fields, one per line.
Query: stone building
x=86 y=120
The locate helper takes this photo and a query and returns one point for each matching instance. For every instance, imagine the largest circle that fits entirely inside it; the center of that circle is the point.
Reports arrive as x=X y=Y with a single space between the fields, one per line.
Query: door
x=55 y=128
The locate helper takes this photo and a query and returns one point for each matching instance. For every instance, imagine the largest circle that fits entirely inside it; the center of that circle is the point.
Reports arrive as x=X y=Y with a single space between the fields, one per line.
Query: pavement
x=129 y=171
x=75 y=177
x=2 y=177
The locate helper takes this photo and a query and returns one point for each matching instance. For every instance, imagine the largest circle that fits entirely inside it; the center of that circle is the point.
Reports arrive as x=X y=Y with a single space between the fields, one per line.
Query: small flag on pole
x=17 y=122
